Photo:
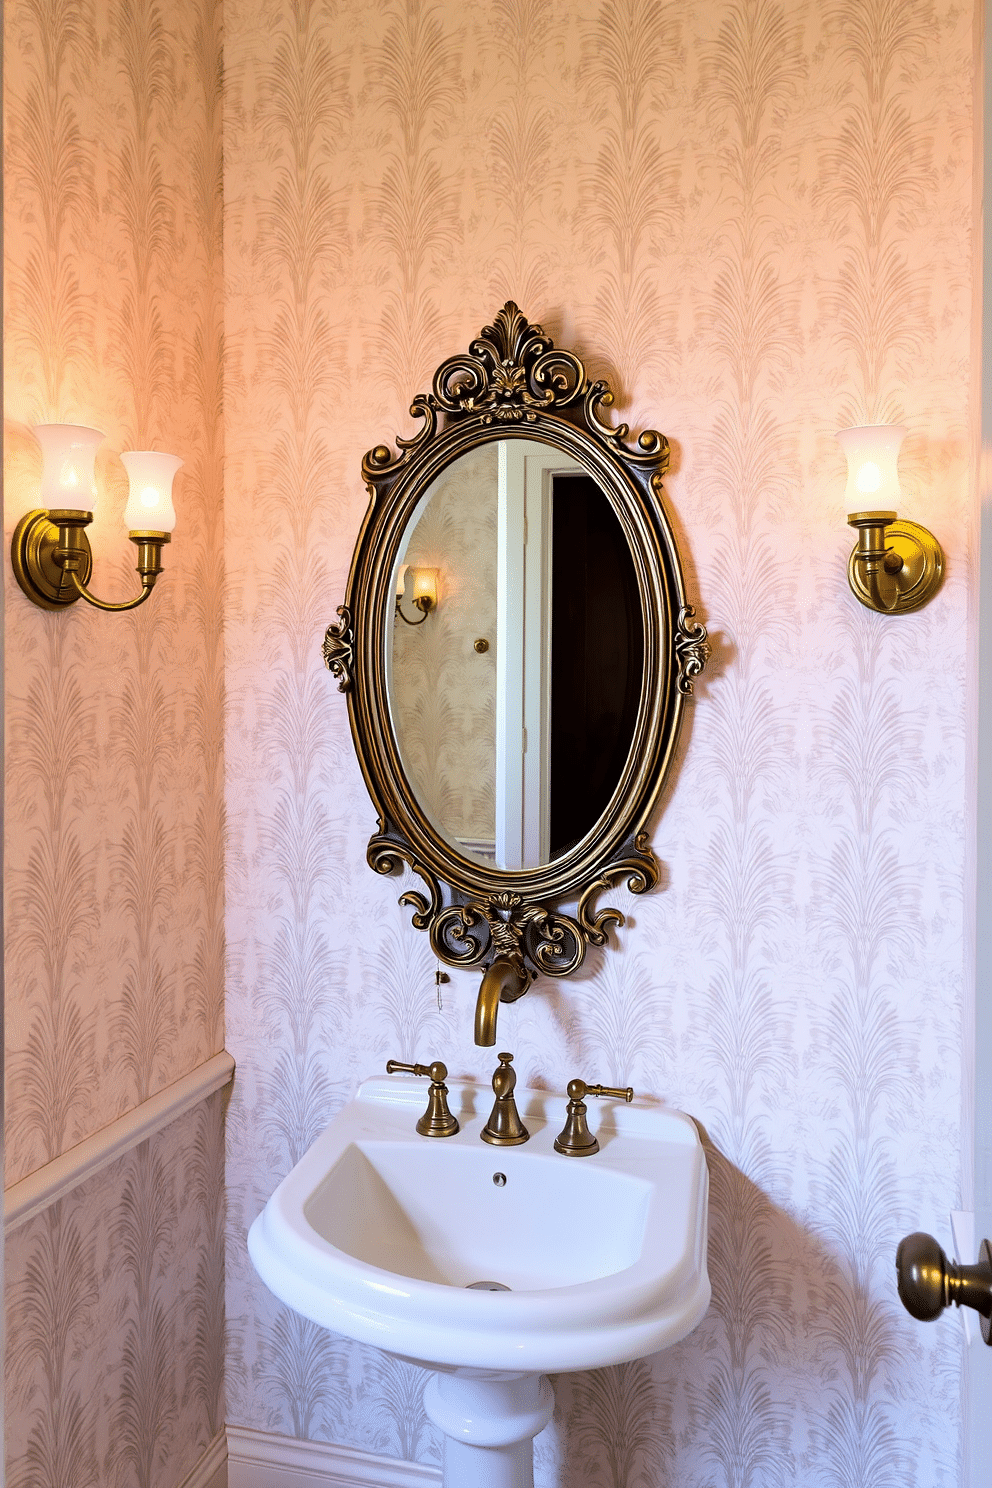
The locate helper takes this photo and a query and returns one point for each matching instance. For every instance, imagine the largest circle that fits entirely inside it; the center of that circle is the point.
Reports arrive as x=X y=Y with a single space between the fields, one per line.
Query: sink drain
x=486 y=1286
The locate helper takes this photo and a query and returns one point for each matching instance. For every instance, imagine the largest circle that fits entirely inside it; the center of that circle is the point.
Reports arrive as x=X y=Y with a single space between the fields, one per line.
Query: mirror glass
x=514 y=699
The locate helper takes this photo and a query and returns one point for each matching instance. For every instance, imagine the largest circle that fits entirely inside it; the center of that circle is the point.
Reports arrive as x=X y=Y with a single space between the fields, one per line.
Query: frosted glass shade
x=68 y=482
x=401 y=579
x=872 y=466
x=149 y=507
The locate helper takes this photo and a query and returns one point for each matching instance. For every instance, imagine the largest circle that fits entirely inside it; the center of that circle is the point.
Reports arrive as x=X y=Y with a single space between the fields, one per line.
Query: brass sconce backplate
x=911 y=571
x=32 y=555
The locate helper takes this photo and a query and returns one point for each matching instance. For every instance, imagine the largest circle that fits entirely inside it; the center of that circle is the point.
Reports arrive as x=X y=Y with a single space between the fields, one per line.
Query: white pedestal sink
x=381 y=1234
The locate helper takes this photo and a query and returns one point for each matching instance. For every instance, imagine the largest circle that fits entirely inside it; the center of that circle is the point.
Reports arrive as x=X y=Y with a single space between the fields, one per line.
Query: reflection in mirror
x=514 y=749
x=442 y=693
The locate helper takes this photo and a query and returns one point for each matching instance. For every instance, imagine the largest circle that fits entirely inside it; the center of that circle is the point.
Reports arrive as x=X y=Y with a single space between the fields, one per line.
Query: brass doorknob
x=929 y=1282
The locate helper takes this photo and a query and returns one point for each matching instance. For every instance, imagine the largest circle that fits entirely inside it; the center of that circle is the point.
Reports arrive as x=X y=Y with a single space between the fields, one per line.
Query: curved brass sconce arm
x=896 y=566
x=424 y=604
x=52 y=560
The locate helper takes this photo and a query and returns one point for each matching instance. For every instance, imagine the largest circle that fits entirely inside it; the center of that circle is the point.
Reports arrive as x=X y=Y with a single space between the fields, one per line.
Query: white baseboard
x=257 y=1459
x=211 y=1470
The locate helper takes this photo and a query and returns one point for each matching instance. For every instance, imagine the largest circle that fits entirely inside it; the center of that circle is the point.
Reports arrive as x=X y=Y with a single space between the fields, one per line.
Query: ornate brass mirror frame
x=515 y=383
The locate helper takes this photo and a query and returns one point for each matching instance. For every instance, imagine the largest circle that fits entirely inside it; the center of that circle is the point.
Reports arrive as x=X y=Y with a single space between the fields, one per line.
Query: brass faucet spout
x=502 y=983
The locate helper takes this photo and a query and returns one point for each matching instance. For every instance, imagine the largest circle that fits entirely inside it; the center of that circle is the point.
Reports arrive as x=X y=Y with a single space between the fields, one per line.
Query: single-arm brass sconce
x=424 y=596
x=897 y=566
x=50 y=552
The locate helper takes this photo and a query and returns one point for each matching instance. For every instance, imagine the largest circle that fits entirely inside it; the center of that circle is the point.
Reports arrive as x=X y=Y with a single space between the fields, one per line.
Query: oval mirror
x=514 y=708
x=516 y=648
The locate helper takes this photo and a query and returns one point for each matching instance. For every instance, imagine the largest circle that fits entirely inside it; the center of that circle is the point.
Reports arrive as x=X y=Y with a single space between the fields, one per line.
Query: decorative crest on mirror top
x=514 y=382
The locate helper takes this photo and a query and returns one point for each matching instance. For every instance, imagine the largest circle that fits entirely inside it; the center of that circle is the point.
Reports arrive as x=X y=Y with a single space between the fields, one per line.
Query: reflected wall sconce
x=50 y=552
x=425 y=591
x=897 y=566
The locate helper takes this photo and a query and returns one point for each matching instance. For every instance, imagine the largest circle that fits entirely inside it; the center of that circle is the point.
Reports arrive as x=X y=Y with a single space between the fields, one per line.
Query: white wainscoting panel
x=257 y=1459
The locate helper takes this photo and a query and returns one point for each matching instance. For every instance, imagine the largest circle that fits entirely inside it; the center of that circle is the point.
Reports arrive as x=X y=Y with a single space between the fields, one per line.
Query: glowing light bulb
x=425 y=587
x=68 y=480
x=872 y=464
x=149 y=507
x=869 y=478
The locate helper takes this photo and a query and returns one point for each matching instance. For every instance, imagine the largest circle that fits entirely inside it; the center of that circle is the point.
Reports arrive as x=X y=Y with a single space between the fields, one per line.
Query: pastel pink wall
x=114 y=808
x=114 y=822
x=756 y=219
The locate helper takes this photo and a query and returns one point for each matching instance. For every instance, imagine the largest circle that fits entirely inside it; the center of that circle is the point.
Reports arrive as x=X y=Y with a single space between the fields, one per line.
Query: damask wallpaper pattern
x=114 y=800
x=755 y=217
x=115 y=1299
x=114 y=846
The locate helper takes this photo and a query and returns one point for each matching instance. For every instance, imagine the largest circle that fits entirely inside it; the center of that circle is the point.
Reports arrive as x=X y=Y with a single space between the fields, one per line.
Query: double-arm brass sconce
x=50 y=552
x=897 y=566
x=424 y=591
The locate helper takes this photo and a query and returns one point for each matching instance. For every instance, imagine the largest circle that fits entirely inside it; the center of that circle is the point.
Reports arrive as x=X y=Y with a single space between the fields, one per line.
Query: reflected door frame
x=523 y=673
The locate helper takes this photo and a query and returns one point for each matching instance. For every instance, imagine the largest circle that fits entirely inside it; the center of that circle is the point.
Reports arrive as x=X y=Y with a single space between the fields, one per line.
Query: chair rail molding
x=211 y=1470
x=23 y=1200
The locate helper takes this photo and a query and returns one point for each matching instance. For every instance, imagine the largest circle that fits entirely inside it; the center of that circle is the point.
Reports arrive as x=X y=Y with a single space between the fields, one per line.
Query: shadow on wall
x=783 y=1311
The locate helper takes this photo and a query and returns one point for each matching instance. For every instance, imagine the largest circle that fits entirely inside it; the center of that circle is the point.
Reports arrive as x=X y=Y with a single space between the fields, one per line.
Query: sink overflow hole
x=500 y=1180
x=486 y=1286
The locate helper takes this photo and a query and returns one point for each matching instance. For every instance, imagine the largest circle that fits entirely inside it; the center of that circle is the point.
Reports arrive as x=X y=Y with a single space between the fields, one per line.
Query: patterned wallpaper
x=754 y=217
x=116 y=1305
x=114 y=812
x=114 y=824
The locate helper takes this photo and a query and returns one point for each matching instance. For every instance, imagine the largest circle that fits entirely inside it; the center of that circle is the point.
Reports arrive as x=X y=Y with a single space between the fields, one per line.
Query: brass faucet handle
x=575 y=1139
x=437 y=1120
x=437 y=1070
x=626 y=1093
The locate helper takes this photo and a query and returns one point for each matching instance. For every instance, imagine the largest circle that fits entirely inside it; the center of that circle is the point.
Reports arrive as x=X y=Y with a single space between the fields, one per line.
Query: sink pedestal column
x=489 y=1422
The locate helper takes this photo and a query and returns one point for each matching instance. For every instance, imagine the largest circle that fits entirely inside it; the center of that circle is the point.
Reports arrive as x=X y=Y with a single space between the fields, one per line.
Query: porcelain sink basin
x=379 y=1233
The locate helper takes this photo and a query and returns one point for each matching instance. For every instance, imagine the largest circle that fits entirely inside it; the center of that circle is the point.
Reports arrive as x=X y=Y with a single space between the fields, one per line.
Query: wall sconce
x=50 y=552
x=425 y=591
x=897 y=566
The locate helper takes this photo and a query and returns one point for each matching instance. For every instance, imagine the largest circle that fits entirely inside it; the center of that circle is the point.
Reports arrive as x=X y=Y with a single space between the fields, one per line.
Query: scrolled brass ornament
x=691 y=648
x=339 y=648
x=513 y=383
